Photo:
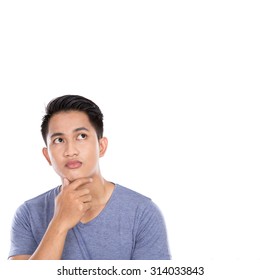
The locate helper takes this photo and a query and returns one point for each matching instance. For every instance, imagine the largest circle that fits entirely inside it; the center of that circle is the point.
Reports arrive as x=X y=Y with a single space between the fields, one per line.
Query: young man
x=87 y=217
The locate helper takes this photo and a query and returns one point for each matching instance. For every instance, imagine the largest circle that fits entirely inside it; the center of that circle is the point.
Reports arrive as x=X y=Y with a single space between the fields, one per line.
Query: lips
x=73 y=164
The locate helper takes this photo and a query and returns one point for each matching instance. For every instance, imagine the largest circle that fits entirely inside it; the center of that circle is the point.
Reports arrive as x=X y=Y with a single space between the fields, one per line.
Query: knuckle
x=83 y=180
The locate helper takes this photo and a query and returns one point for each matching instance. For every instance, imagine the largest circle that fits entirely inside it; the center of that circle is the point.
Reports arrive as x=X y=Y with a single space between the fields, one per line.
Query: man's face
x=73 y=148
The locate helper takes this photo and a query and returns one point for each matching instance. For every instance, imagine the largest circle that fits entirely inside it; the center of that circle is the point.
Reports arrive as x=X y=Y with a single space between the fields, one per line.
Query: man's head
x=68 y=103
x=73 y=132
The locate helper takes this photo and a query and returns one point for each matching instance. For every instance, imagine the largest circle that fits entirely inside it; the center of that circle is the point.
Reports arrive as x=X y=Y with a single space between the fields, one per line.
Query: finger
x=87 y=206
x=65 y=182
x=80 y=183
x=82 y=192
x=86 y=198
x=83 y=187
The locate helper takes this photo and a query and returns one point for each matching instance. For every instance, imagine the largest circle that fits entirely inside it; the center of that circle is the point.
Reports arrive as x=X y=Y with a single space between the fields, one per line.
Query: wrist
x=58 y=228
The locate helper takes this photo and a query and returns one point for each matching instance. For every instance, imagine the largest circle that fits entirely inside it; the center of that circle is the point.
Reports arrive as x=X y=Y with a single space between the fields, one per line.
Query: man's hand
x=72 y=203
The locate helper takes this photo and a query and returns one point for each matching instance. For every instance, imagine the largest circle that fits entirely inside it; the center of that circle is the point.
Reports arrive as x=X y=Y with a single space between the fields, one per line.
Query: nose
x=70 y=150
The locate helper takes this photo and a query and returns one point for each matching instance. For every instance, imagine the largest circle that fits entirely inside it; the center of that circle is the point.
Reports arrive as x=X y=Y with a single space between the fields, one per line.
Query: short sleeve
x=22 y=240
x=151 y=238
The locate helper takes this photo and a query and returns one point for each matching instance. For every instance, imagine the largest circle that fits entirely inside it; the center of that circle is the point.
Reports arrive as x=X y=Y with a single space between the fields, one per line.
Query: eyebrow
x=75 y=130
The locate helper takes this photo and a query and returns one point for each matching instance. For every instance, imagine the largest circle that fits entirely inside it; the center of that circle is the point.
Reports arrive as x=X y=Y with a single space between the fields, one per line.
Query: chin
x=72 y=176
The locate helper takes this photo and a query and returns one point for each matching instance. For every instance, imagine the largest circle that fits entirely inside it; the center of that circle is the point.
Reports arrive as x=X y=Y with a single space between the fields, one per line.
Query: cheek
x=54 y=158
x=89 y=156
x=58 y=167
x=90 y=150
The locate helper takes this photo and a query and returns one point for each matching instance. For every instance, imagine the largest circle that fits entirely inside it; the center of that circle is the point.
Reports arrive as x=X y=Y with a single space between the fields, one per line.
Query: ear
x=46 y=155
x=103 y=142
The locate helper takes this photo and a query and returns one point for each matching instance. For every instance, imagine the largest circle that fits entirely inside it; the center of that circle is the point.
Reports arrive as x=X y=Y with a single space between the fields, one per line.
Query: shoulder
x=38 y=203
x=43 y=197
x=136 y=202
x=149 y=230
x=126 y=193
x=129 y=198
x=50 y=193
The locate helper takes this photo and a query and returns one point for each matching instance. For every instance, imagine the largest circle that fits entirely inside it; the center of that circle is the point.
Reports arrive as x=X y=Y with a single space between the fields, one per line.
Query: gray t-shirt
x=130 y=227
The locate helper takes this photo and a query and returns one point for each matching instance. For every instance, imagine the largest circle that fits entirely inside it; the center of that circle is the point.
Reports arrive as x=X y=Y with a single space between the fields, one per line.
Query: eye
x=58 y=140
x=82 y=136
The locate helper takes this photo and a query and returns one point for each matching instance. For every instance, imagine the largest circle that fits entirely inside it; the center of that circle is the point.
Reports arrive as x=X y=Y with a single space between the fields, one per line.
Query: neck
x=100 y=190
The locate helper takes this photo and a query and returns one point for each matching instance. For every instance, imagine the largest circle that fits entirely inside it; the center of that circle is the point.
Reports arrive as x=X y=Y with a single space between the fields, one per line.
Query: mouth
x=73 y=164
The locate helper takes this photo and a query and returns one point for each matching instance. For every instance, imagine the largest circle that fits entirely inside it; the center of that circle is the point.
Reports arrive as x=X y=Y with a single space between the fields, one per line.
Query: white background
x=178 y=83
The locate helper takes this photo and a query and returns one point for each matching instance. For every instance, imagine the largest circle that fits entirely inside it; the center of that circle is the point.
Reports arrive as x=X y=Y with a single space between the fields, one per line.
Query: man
x=87 y=217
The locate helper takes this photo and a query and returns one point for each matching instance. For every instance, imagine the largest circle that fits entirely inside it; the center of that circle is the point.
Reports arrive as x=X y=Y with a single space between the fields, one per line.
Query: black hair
x=67 y=103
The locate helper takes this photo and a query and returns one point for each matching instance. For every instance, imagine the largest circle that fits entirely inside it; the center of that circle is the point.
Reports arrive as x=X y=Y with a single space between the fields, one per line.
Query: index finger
x=76 y=183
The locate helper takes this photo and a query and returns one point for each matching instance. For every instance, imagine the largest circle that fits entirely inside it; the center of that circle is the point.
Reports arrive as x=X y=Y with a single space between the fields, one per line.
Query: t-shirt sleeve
x=22 y=240
x=151 y=238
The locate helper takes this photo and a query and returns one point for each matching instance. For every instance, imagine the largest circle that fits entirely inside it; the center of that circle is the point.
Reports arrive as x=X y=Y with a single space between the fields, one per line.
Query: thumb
x=65 y=182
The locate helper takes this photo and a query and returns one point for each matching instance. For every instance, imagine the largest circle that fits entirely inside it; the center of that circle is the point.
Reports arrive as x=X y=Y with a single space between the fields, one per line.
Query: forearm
x=70 y=205
x=52 y=243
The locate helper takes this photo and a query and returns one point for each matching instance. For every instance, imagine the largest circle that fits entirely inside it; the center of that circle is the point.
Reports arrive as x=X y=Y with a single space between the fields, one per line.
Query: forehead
x=65 y=122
